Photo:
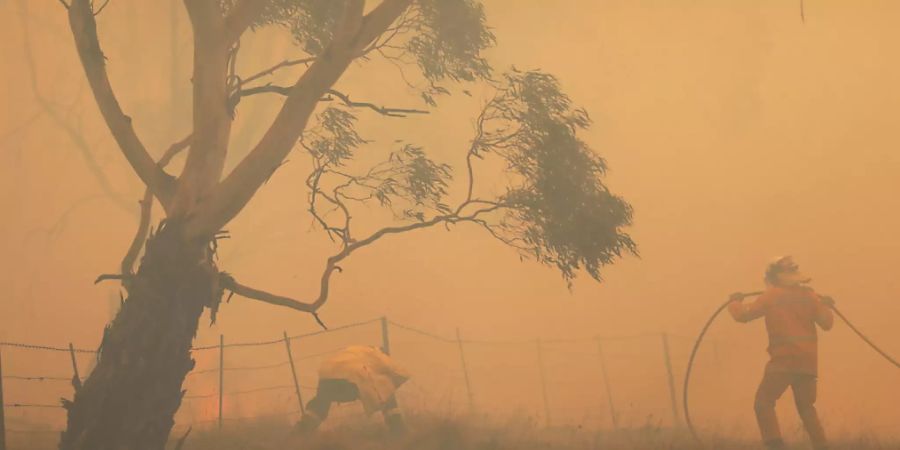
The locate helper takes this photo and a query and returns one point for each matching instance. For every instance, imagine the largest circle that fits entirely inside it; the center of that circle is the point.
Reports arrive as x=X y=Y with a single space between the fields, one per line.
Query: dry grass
x=430 y=433
x=441 y=433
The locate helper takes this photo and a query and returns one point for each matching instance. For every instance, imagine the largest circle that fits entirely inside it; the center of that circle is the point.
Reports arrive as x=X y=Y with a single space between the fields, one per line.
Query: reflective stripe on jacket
x=791 y=313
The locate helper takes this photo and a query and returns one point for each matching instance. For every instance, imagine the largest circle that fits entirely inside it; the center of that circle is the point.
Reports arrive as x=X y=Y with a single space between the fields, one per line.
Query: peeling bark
x=130 y=399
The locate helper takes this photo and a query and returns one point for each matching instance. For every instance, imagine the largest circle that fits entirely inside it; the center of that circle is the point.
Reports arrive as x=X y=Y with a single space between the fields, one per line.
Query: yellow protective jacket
x=374 y=373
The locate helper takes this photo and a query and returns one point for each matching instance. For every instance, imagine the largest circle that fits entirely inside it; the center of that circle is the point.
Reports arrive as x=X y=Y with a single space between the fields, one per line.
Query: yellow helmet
x=783 y=271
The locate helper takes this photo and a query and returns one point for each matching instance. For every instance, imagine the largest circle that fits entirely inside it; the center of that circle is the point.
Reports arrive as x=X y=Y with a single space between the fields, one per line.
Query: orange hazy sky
x=737 y=132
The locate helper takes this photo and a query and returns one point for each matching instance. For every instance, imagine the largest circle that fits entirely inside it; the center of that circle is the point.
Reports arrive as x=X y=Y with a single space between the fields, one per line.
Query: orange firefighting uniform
x=791 y=314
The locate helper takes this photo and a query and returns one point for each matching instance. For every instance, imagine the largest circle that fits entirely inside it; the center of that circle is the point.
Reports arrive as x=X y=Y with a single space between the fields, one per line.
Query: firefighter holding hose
x=792 y=311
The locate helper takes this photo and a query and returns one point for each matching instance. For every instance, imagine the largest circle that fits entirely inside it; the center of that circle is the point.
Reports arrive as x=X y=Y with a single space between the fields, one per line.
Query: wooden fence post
x=76 y=378
x=609 y=398
x=287 y=346
x=465 y=368
x=2 y=414
x=540 y=355
x=221 y=376
x=668 y=360
x=385 y=338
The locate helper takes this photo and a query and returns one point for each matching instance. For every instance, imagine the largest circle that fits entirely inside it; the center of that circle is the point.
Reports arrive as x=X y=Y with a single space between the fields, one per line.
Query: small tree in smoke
x=555 y=208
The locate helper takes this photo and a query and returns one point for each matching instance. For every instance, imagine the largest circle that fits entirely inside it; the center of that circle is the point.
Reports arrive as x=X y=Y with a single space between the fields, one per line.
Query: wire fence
x=554 y=380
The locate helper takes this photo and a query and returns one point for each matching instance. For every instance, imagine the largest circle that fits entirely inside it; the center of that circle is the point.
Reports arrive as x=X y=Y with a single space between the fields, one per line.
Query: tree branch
x=264 y=89
x=206 y=17
x=241 y=16
x=348 y=25
x=180 y=444
x=211 y=115
x=477 y=206
x=315 y=191
x=378 y=20
x=127 y=265
x=273 y=69
x=392 y=112
x=331 y=95
x=228 y=282
x=74 y=134
x=230 y=197
x=174 y=150
x=473 y=152
x=84 y=30
x=101 y=8
x=403 y=25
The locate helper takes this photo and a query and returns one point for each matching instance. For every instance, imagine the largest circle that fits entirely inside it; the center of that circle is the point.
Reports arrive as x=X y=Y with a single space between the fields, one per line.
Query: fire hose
x=690 y=365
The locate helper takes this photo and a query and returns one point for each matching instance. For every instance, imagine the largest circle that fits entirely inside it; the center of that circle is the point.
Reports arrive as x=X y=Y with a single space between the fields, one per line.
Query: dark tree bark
x=131 y=397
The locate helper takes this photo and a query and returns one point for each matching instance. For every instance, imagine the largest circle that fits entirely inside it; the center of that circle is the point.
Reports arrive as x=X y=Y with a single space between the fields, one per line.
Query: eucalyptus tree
x=555 y=208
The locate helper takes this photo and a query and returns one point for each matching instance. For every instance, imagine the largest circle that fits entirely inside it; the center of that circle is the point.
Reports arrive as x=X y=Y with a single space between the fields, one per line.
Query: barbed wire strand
x=262 y=389
x=422 y=332
x=216 y=419
x=248 y=391
x=333 y=329
x=44 y=347
x=13 y=430
x=354 y=325
x=240 y=368
x=238 y=344
x=284 y=363
x=316 y=355
x=250 y=368
x=198 y=396
x=30 y=405
x=36 y=378
x=276 y=341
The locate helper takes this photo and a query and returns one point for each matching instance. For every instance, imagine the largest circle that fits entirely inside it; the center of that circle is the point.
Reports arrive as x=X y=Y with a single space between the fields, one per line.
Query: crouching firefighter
x=791 y=310
x=357 y=373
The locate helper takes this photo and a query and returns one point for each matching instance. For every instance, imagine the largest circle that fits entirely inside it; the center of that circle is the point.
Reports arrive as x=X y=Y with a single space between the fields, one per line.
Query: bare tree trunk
x=130 y=399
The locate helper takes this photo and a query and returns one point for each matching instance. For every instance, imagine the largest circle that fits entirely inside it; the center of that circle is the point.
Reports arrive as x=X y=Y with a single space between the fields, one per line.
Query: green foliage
x=408 y=179
x=447 y=41
x=309 y=21
x=335 y=139
x=444 y=37
x=559 y=210
x=556 y=209
x=418 y=180
x=407 y=182
x=451 y=36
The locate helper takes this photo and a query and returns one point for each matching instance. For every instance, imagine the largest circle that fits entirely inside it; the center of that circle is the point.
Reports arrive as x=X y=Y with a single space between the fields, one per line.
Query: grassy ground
x=467 y=434
x=430 y=433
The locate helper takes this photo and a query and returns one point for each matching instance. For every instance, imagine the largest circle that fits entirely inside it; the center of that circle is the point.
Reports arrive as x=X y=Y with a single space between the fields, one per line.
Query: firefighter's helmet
x=784 y=271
